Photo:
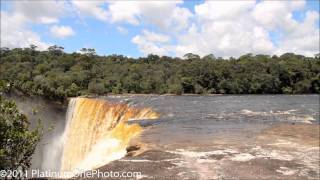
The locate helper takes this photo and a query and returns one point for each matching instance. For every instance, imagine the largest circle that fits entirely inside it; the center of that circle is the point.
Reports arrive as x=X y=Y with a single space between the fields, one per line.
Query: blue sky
x=164 y=27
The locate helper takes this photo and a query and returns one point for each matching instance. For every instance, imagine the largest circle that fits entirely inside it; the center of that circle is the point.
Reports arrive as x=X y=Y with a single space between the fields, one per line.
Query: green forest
x=56 y=75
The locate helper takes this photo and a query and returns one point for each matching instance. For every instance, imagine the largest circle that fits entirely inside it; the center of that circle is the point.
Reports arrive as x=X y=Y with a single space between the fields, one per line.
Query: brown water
x=191 y=120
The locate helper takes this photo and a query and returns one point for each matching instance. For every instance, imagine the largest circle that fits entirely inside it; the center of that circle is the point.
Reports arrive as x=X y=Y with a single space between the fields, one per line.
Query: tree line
x=57 y=75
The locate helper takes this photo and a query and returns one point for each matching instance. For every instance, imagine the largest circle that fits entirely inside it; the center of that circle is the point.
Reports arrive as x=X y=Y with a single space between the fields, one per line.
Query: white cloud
x=152 y=43
x=223 y=10
x=122 y=30
x=303 y=38
x=91 y=8
x=234 y=28
x=14 y=32
x=15 y=25
x=61 y=31
x=224 y=28
x=155 y=37
x=166 y=15
x=124 y=11
x=180 y=18
x=275 y=14
x=45 y=12
x=298 y=37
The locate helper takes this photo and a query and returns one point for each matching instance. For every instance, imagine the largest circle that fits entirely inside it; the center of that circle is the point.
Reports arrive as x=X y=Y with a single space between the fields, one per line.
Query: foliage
x=17 y=141
x=57 y=75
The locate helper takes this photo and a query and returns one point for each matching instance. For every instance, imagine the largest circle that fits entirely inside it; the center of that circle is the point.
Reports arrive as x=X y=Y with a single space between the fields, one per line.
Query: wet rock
x=132 y=148
x=261 y=168
x=153 y=164
x=217 y=156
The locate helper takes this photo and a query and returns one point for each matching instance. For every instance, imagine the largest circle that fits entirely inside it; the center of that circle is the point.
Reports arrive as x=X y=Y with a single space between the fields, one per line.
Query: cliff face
x=52 y=116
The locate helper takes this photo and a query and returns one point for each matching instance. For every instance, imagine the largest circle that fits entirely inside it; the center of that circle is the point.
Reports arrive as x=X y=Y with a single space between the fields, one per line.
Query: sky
x=163 y=27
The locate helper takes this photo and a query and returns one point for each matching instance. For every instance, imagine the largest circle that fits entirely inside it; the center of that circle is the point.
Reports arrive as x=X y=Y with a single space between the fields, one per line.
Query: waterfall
x=97 y=132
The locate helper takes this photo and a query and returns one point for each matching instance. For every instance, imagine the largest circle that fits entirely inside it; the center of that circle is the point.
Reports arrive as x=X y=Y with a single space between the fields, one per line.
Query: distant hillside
x=56 y=75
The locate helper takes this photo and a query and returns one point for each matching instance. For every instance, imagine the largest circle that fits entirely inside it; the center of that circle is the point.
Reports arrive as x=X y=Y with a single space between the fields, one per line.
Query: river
x=208 y=137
